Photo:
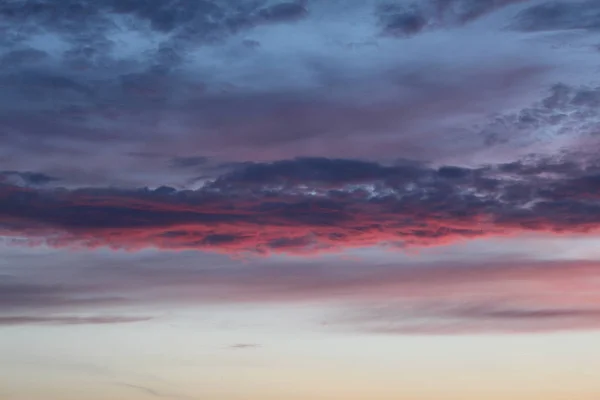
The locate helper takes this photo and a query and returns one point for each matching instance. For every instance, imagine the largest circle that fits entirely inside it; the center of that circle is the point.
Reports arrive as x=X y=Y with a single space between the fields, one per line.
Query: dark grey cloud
x=402 y=20
x=22 y=57
x=27 y=177
x=407 y=18
x=188 y=162
x=282 y=12
x=468 y=10
x=312 y=204
x=17 y=295
x=98 y=116
x=94 y=82
x=556 y=15
x=314 y=171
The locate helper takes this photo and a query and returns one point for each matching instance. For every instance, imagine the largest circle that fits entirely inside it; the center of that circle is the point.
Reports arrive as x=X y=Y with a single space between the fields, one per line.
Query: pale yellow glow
x=189 y=357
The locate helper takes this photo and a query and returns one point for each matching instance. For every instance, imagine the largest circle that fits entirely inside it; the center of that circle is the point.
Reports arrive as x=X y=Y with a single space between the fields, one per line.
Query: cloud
x=188 y=162
x=493 y=295
x=242 y=346
x=470 y=319
x=284 y=12
x=144 y=389
x=405 y=18
x=469 y=10
x=17 y=295
x=27 y=177
x=309 y=205
x=401 y=20
x=150 y=391
x=560 y=15
x=86 y=86
x=67 y=320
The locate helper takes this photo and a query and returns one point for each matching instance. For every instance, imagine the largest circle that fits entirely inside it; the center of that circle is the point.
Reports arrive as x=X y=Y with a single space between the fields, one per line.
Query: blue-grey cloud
x=99 y=82
x=557 y=15
x=26 y=177
x=408 y=18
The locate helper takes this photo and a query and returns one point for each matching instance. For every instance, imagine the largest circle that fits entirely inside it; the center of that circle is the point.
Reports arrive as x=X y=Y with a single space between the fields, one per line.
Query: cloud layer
x=315 y=204
x=107 y=93
x=451 y=297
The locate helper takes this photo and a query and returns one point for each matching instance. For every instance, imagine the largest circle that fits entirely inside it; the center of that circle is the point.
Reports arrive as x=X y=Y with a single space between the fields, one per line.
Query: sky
x=301 y=199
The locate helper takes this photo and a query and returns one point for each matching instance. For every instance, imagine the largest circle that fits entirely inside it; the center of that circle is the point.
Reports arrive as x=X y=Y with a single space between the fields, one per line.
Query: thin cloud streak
x=492 y=296
x=244 y=346
x=68 y=320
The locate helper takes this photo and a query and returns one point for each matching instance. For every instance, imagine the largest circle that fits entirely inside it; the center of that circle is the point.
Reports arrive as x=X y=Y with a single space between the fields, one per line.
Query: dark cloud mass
x=32 y=178
x=561 y=15
x=311 y=204
x=408 y=18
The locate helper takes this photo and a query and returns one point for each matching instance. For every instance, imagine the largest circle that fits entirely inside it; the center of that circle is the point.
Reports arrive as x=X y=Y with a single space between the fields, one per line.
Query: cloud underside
x=310 y=205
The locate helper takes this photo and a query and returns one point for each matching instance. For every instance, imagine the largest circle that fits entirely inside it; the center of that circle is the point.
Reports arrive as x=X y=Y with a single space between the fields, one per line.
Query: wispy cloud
x=466 y=318
x=493 y=295
x=243 y=346
x=149 y=391
x=67 y=320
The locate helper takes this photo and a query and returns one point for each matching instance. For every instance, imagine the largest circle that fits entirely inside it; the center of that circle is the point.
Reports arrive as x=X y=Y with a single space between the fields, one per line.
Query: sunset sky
x=307 y=199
